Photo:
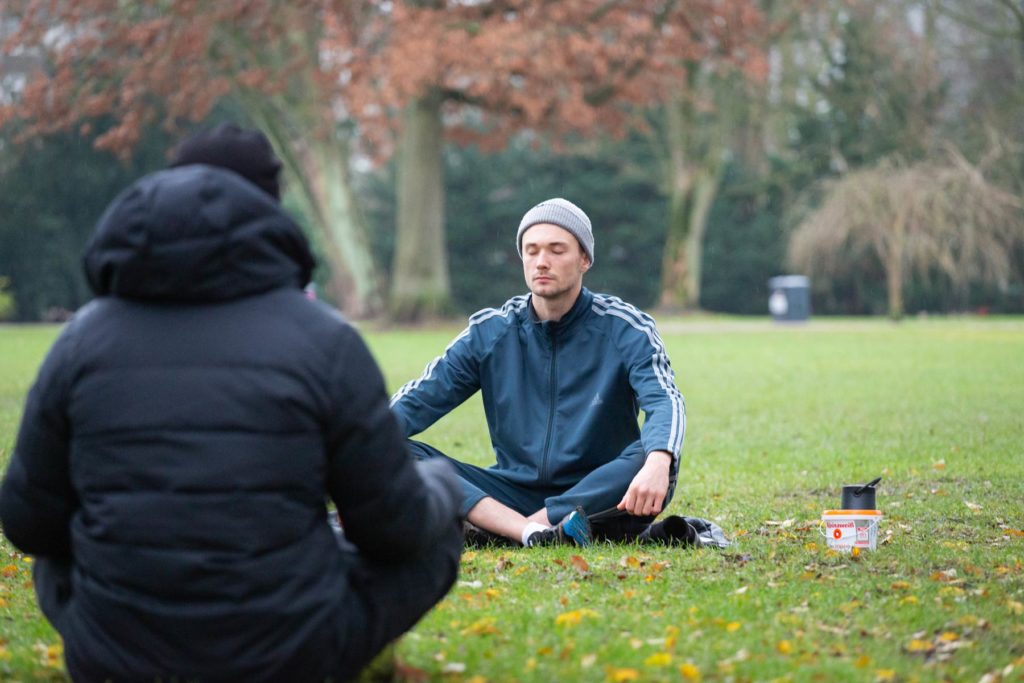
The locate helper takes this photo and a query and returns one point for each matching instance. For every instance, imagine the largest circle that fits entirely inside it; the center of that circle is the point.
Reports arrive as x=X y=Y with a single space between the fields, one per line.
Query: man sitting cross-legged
x=563 y=373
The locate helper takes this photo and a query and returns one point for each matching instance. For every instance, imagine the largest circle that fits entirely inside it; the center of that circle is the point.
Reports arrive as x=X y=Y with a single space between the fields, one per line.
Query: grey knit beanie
x=564 y=214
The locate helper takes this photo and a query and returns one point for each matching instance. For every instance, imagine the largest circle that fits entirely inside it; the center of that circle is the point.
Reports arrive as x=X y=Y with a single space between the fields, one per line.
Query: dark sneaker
x=573 y=529
x=475 y=537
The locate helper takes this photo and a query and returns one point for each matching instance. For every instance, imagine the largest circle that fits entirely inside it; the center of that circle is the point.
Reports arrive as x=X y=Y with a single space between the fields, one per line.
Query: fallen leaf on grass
x=973 y=506
x=917 y=646
x=406 y=673
x=9 y=570
x=1015 y=607
x=900 y=586
x=690 y=672
x=848 y=607
x=453 y=668
x=671 y=637
x=588 y=660
x=617 y=675
x=580 y=564
x=862 y=662
x=574 y=617
x=784 y=647
x=658 y=659
x=502 y=564
x=50 y=656
x=733 y=626
x=784 y=524
x=884 y=675
x=481 y=627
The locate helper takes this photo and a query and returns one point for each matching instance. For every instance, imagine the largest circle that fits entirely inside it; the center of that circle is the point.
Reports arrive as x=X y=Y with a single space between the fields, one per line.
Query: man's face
x=553 y=261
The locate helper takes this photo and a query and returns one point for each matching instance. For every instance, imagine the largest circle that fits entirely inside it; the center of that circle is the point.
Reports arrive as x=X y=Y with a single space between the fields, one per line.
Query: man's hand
x=647 y=491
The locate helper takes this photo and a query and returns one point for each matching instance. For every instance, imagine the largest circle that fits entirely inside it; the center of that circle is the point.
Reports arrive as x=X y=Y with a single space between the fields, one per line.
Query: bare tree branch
x=981 y=27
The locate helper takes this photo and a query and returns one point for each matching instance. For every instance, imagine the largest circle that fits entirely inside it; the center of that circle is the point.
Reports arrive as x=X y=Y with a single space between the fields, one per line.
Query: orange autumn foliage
x=572 y=66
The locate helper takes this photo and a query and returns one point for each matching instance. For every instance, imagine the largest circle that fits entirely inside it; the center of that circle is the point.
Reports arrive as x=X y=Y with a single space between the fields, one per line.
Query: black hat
x=247 y=152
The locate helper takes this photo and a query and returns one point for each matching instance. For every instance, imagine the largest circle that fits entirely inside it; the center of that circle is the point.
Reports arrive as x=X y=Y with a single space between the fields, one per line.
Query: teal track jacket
x=561 y=398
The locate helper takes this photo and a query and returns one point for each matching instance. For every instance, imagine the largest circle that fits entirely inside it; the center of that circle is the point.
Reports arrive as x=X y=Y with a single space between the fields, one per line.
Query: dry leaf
x=690 y=672
x=919 y=646
x=574 y=617
x=617 y=675
x=580 y=564
x=481 y=627
x=658 y=659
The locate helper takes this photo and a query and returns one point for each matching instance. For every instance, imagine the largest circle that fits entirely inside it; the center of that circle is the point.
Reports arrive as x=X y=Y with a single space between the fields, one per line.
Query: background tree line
x=714 y=144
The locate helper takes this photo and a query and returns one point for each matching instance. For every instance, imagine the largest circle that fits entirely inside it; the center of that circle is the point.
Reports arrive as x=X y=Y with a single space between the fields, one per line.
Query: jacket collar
x=567 y=322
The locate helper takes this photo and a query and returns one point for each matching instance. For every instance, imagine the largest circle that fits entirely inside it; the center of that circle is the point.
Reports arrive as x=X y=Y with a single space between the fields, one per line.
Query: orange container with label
x=845 y=530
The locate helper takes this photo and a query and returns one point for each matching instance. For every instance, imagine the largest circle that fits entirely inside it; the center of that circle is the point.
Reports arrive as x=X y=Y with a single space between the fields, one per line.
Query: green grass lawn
x=779 y=418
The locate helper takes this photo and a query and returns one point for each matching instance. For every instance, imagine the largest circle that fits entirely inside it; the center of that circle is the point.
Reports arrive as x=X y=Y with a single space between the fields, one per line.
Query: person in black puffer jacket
x=185 y=430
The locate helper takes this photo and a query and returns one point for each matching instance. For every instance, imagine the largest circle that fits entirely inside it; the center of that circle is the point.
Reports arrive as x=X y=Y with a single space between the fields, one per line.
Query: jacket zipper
x=542 y=474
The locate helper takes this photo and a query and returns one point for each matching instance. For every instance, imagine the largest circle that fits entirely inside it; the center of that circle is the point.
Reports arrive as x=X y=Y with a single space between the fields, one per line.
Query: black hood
x=193 y=234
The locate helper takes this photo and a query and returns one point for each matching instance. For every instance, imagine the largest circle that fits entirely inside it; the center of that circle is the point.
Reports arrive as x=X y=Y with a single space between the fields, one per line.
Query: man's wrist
x=660 y=456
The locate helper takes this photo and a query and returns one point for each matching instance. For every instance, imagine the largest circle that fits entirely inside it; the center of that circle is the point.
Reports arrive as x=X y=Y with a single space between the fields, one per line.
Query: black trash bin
x=790 y=298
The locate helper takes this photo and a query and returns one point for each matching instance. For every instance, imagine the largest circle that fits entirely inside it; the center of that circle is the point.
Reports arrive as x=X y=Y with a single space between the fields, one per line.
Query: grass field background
x=779 y=418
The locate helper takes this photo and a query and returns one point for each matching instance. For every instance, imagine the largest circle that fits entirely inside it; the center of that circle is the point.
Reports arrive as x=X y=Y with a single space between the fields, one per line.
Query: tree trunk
x=894 y=258
x=321 y=173
x=420 y=285
x=894 y=285
x=692 y=191
x=331 y=207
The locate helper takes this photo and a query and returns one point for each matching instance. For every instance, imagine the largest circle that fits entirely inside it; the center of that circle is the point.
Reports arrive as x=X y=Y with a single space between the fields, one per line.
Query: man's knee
x=422 y=451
